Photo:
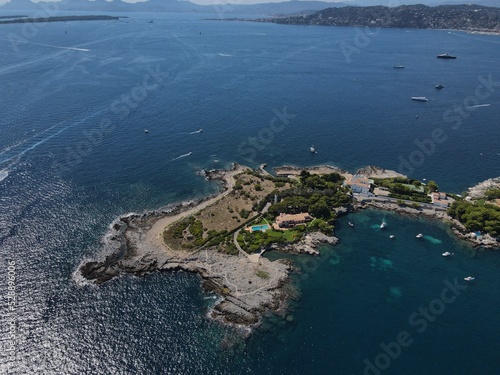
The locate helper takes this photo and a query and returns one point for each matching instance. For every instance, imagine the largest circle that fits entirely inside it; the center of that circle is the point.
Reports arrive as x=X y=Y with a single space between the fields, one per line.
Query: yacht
x=447 y=254
x=383 y=225
x=420 y=235
x=420 y=98
x=446 y=56
x=468 y=278
x=399 y=66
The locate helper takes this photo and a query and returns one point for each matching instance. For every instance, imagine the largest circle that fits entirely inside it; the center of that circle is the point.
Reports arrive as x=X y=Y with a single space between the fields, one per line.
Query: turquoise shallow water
x=74 y=156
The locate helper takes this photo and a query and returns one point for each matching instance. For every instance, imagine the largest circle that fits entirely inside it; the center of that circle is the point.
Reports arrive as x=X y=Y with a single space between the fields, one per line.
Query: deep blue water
x=74 y=155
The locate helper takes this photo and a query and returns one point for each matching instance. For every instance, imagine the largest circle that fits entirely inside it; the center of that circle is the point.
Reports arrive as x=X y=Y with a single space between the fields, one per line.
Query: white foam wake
x=182 y=156
x=479 y=106
x=3 y=174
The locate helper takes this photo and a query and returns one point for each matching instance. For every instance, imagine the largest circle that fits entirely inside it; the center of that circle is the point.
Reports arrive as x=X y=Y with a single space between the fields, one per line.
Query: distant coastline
x=466 y=17
x=25 y=19
x=248 y=285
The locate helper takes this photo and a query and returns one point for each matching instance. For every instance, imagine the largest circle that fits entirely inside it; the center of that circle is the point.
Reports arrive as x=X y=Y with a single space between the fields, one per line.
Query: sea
x=104 y=118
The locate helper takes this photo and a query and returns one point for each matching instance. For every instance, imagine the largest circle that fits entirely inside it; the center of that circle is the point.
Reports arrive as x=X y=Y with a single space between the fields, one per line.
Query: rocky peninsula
x=221 y=238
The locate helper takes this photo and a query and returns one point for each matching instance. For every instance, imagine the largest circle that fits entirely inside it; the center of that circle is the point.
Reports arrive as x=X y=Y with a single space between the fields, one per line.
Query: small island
x=222 y=237
x=24 y=19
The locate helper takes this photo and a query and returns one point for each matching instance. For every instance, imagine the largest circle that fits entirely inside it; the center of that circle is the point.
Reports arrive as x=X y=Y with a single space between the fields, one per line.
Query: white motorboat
x=419 y=98
x=447 y=254
x=420 y=235
x=383 y=225
x=468 y=278
x=392 y=236
x=312 y=149
x=351 y=224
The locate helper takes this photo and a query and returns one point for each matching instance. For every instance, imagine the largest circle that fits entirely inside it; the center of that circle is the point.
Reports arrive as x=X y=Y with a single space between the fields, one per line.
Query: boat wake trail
x=15 y=152
x=193 y=132
x=3 y=174
x=61 y=47
x=182 y=156
x=478 y=106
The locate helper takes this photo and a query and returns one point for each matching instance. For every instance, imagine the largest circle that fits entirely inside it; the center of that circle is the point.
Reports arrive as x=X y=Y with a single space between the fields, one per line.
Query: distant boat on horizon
x=446 y=56
x=419 y=98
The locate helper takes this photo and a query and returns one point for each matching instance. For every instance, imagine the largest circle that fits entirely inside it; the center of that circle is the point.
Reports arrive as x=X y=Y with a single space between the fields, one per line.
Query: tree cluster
x=477 y=216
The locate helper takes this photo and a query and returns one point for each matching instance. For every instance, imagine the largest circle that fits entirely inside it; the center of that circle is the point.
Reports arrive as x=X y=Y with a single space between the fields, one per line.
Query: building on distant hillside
x=359 y=184
x=441 y=200
x=284 y=221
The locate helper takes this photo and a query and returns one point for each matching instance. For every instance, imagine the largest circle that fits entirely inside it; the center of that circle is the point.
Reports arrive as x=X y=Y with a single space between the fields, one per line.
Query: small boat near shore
x=420 y=235
x=313 y=150
x=447 y=254
x=383 y=224
x=419 y=98
x=469 y=278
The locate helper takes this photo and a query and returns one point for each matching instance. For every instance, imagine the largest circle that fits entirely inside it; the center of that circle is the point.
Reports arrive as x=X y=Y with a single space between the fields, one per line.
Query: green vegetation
x=492 y=193
x=407 y=189
x=262 y=274
x=252 y=242
x=190 y=233
x=477 y=216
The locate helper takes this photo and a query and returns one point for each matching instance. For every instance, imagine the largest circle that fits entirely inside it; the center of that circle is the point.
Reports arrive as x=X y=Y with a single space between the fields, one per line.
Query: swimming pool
x=262 y=227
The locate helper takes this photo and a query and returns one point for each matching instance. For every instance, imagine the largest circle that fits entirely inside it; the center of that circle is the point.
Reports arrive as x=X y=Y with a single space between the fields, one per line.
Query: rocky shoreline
x=247 y=290
x=248 y=286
